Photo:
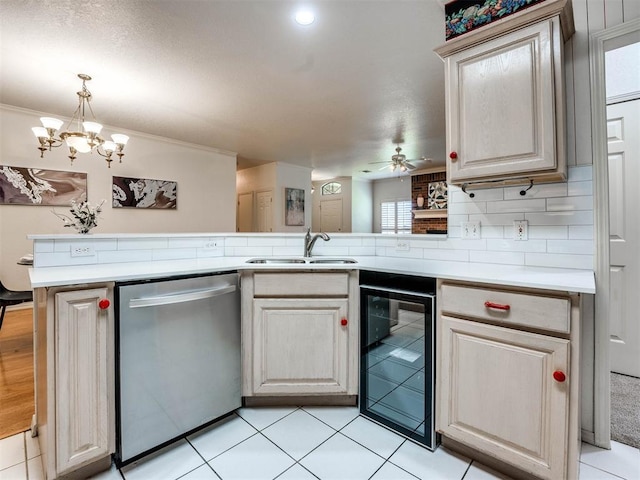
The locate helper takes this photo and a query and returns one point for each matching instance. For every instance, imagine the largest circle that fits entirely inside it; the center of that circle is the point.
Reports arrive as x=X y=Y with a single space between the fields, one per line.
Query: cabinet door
x=300 y=346
x=83 y=422
x=497 y=394
x=501 y=105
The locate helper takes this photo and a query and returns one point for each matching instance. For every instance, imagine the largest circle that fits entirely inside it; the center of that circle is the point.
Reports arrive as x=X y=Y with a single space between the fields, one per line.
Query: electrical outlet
x=470 y=230
x=520 y=230
x=211 y=244
x=82 y=251
x=402 y=245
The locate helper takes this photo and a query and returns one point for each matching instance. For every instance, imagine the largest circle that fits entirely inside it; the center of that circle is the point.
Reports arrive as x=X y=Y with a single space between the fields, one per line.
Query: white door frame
x=602 y=400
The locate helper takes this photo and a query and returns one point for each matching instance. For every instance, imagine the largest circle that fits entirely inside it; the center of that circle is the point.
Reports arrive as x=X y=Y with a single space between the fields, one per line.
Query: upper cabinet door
x=504 y=106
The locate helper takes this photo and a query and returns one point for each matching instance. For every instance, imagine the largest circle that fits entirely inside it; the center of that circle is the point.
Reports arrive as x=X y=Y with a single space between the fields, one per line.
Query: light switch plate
x=470 y=230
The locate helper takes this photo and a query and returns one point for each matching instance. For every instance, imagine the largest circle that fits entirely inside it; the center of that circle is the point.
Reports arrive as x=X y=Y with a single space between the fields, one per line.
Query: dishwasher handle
x=180 y=297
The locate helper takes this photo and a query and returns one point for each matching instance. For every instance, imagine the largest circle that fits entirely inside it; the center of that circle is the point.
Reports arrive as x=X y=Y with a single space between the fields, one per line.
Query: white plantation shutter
x=395 y=217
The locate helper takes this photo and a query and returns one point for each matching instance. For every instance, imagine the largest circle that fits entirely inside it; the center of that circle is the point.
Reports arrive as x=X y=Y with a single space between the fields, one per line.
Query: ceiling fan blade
x=409 y=166
x=373 y=163
x=386 y=166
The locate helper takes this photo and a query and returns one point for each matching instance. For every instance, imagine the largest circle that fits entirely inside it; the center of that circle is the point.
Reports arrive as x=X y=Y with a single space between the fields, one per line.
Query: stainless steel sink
x=333 y=260
x=280 y=261
x=276 y=260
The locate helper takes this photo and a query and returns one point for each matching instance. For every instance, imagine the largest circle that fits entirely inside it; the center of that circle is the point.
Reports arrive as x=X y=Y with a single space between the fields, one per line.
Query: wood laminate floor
x=16 y=372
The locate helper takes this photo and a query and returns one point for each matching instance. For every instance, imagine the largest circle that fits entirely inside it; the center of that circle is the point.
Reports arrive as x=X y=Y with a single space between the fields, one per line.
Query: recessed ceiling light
x=305 y=17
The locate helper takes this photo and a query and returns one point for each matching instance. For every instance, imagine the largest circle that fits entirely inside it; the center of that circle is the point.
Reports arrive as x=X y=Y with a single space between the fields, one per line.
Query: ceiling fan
x=399 y=162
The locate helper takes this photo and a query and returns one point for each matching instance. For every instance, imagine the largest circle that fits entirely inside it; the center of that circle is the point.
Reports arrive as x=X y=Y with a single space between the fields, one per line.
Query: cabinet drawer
x=537 y=311
x=301 y=284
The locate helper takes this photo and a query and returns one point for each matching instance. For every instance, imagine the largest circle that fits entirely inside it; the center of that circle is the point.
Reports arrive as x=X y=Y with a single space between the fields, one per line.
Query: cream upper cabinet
x=300 y=334
x=505 y=102
x=506 y=387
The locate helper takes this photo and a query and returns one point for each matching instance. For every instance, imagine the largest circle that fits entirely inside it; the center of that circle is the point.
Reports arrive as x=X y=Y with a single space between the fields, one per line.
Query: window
x=331 y=188
x=396 y=217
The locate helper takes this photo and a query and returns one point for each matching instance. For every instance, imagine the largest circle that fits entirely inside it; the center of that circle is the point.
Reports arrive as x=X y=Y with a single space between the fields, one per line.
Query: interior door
x=264 y=211
x=331 y=215
x=245 y=212
x=623 y=125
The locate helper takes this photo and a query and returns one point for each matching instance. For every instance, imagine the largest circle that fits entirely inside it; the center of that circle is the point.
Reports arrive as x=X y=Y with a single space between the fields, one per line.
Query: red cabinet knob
x=453 y=155
x=344 y=322
x=104 y=303
x=559 y=376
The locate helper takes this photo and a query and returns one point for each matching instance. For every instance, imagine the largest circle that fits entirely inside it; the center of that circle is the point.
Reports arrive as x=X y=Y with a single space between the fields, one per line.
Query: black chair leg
x=4 y=307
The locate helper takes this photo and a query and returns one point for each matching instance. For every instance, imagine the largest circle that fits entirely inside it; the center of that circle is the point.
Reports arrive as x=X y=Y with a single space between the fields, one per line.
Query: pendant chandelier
x=80 y=136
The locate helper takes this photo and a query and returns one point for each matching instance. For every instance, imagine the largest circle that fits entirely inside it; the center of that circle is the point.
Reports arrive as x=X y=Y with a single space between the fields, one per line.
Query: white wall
x=389 y=190
x=291 y=176
x=205 y=177
x=361 y=206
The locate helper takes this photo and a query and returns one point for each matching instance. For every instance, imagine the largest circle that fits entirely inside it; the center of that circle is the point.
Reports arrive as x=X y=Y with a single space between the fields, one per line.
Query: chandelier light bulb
x=40 y=132
x=120 y=139
x=109 y=146
x=50 y=122
x=92 y=127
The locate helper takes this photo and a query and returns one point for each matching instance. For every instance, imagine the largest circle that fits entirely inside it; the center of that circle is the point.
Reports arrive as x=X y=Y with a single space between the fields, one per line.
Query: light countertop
x=557 y=279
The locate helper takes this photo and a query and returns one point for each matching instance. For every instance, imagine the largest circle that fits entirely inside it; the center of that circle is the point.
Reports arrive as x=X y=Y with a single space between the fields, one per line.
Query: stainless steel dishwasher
x=178 y=359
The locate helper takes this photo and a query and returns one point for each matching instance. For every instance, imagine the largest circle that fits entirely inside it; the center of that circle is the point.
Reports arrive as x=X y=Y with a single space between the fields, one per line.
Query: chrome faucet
x=310 y=241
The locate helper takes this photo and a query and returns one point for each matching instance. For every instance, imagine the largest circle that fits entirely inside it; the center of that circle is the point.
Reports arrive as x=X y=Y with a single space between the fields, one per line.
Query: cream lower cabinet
x=74 y=359
x=503 y=391
x=300 y=334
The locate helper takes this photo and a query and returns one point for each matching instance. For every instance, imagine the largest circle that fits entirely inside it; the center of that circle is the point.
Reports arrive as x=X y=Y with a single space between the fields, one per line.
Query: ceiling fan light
x=92 y=127
x=50 y=122
x=109 y=146
x=305 y=17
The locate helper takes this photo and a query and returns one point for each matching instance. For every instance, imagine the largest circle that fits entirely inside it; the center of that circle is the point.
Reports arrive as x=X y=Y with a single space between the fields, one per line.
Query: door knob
x=104 y=303
x=559 y=376
x=344 y=322
x=453 y=155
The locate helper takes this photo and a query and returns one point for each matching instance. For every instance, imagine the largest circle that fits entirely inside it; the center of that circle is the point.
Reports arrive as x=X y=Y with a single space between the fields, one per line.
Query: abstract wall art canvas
x=37 y=186
x=294 y=206
x=144 y=193
x=438 y=196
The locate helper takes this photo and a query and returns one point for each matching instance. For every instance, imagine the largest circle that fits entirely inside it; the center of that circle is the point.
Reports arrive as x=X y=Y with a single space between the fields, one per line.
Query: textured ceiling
x=240 y=75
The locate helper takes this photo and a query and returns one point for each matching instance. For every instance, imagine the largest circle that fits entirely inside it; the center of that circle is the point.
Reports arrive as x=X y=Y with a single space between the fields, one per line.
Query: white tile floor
x=305 y=443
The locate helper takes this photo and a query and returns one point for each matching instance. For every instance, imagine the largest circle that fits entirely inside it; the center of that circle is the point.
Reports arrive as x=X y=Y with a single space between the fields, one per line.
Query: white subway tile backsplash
x=411 y=253
x=43 y=246
x=496 y=218
x=584 y=262
x=173 y=254
x=560 y=218
x=362 y=251
x=447 y=255
x=142 y=243
x=326 y=251
x=456 y=220
x=578 y=174
x=543 y=190
x=579 y=232
x=266 y=242
x=56 y=259
x=249 y=251
x=289 y=251
x=368 y=242
x=583 y=202
x=556 y=232
x=490 y=231
x=466 y=208
x=424 y=243
x=512 y=206
x=486 y=195
x=463 y=243
x=509 y=245
x=209 y=252
x=236 y=241
x=120 y=256
x=504 y=258
x=580 y=188
x=191 y=242
x=584 y=247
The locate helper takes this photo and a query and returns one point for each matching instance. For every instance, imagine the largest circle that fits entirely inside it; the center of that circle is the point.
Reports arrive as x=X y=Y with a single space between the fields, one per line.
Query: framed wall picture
x=438 y=196
x=294 y=206
x=144 y=193
x=37 y=186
